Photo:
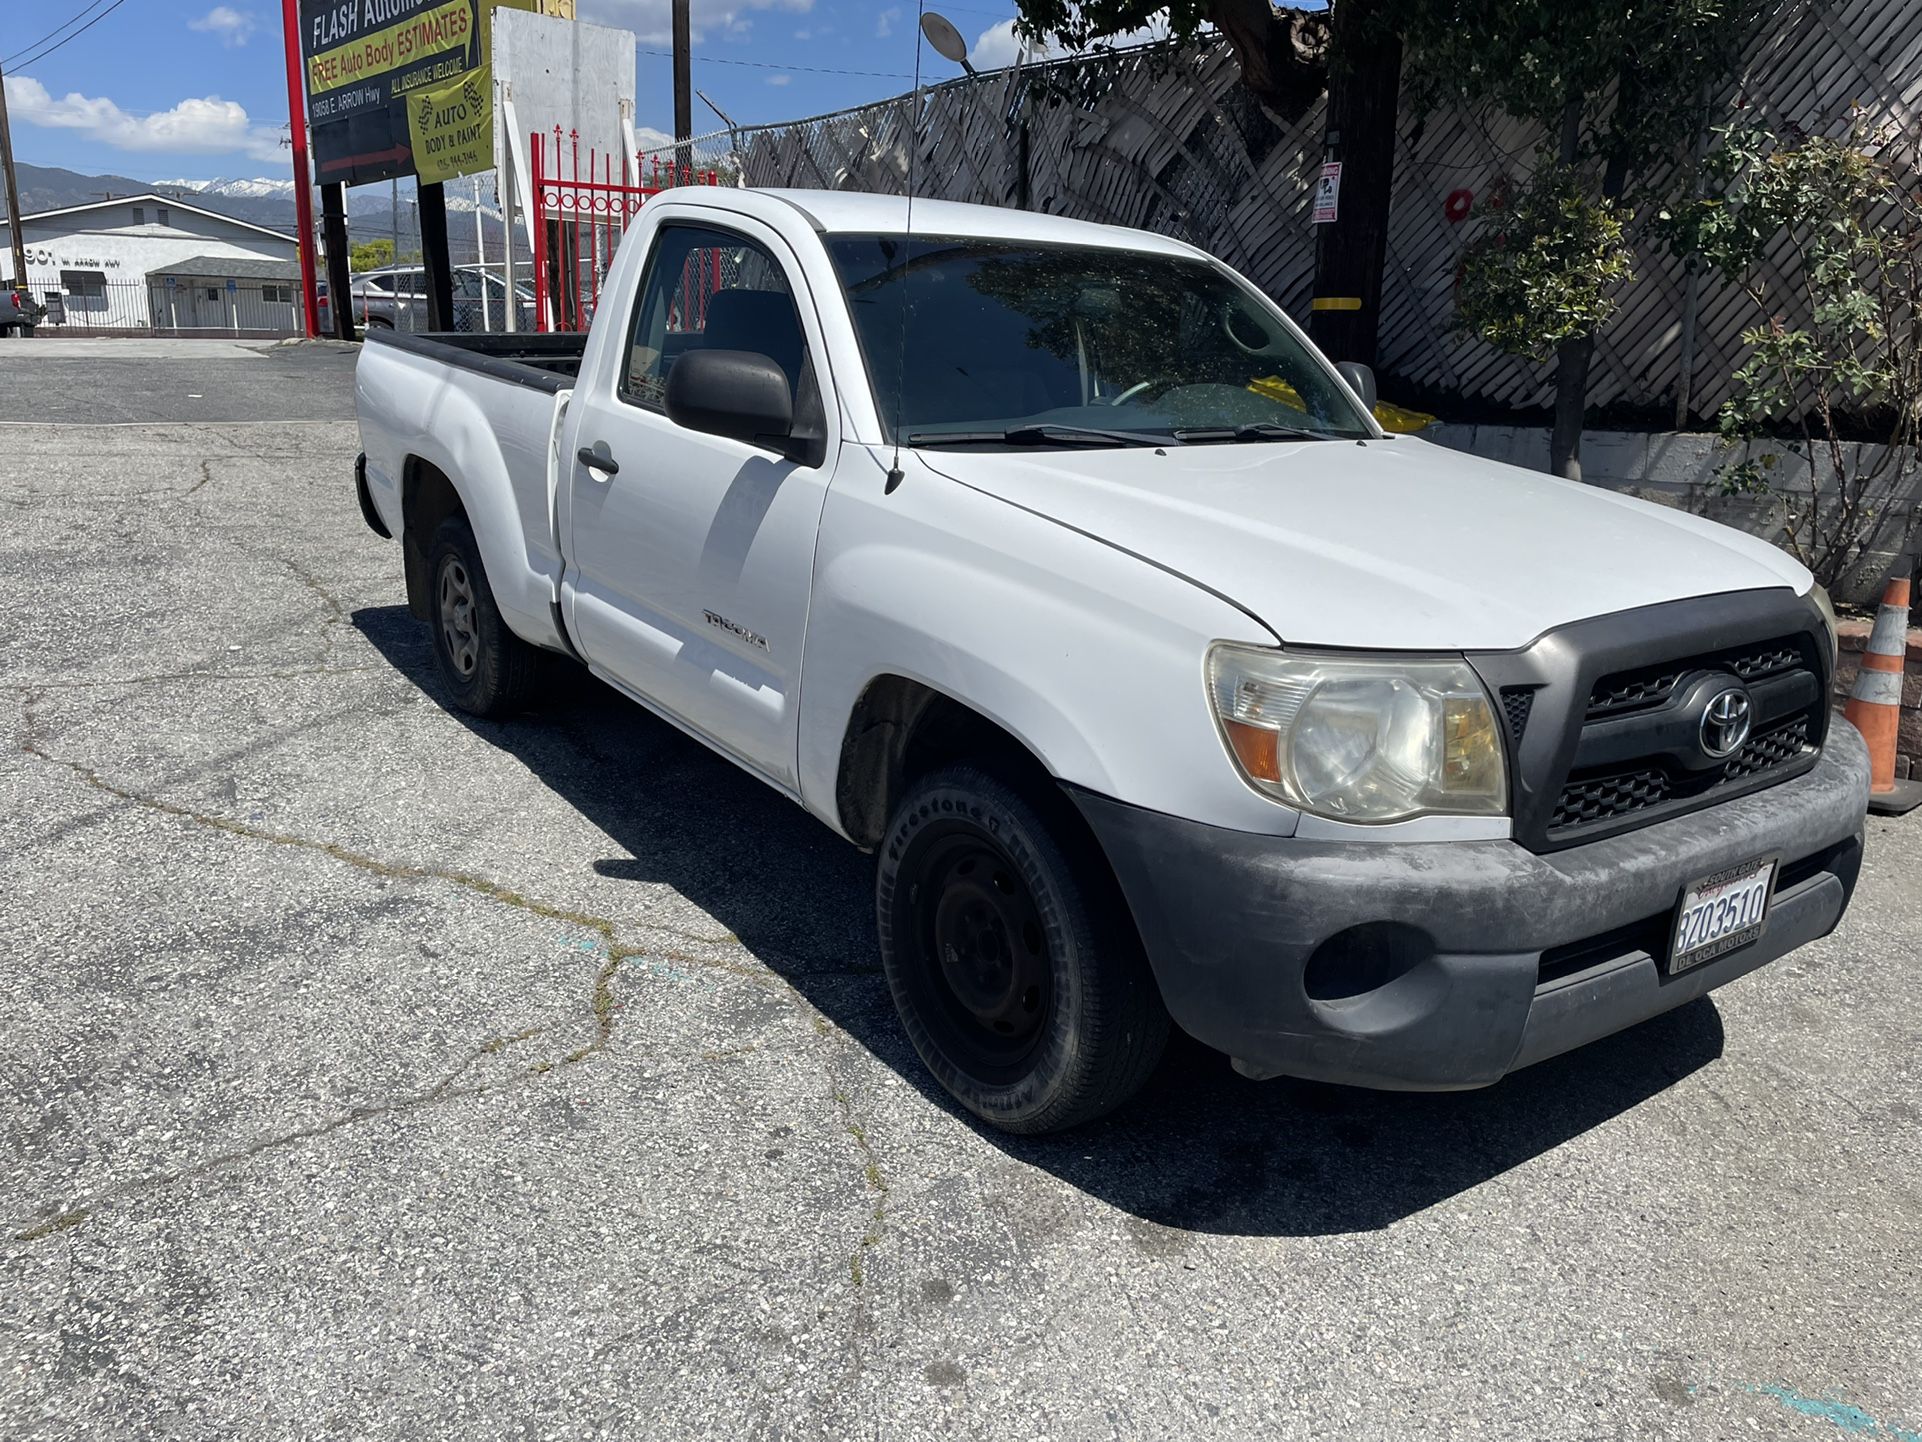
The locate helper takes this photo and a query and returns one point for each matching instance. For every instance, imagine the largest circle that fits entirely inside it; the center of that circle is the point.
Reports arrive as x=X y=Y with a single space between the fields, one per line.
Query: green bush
x=1836 y=351
x=1544 y=266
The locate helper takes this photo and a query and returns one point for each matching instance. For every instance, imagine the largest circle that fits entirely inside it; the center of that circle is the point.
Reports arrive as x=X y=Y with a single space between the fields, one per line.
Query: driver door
x=692 y=559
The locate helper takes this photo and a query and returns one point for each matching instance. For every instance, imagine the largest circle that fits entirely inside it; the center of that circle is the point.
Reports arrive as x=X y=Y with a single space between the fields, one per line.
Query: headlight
x=1820 y=595
x=1379 y=740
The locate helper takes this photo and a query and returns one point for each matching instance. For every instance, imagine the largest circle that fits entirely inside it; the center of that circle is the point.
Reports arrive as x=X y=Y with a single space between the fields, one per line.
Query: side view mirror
x=740 y=394
x=1361 y=380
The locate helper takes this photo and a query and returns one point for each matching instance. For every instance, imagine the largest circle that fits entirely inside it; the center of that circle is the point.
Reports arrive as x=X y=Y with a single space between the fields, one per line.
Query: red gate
x=580 y=214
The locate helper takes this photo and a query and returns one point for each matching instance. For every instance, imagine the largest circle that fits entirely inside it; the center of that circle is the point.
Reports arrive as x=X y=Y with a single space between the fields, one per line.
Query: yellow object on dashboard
x=1395 y=419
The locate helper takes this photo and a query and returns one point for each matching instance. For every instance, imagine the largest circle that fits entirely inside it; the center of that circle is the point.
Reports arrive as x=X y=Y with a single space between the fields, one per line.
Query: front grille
x=1589 y=799
x=1603 y=718
x=1650 y=686
x=1770 y=749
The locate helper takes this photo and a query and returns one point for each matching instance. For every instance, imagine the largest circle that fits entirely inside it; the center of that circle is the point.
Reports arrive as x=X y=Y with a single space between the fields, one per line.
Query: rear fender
x=481 y=452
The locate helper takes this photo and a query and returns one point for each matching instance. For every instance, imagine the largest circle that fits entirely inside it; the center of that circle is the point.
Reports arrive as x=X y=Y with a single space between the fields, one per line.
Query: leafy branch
x=1835 y=349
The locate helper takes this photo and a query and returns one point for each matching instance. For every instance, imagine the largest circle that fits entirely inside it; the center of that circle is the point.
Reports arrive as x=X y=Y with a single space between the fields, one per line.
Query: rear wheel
x=488 y=670
x=1011 y=959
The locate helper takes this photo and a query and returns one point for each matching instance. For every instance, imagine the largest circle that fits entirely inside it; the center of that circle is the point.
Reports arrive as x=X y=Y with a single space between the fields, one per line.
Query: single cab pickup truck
x=1053 y=565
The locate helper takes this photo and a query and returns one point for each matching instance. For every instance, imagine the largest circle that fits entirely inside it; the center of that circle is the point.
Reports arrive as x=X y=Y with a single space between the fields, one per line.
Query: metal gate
x=582 y=207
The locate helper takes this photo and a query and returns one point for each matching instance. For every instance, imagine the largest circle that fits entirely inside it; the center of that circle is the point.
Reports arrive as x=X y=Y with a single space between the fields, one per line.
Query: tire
x=1011 y=957
x=487 y=669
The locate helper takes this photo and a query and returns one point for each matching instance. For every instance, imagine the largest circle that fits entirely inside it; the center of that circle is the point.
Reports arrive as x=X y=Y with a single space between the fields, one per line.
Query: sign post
x=303 y=191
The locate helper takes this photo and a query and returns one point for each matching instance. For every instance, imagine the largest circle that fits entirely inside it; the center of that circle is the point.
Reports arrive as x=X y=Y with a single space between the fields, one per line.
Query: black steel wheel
x=986 y=978
x=487 y=669
x=1012 y=962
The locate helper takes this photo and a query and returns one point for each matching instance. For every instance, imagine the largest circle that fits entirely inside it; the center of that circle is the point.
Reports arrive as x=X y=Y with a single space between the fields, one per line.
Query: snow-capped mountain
x=260 y=188
x=368 y=200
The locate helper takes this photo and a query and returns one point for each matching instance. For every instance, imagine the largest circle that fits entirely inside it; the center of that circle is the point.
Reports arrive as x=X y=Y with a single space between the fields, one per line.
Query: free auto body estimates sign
x=399 y=87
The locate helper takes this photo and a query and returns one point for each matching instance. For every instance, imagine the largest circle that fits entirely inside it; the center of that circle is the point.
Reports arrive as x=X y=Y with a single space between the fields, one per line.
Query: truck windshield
x=992 y=342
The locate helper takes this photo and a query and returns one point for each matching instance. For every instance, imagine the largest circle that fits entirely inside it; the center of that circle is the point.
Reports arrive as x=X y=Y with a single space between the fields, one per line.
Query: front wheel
x=1011 y=959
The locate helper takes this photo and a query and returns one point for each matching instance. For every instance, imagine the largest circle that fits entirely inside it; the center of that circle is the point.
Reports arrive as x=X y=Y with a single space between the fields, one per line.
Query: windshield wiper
x=1038 y=435
x=1254 y=431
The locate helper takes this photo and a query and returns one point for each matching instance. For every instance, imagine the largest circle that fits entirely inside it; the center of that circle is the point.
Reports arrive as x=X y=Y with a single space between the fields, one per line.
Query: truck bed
x=542 y=362
x=481 y=410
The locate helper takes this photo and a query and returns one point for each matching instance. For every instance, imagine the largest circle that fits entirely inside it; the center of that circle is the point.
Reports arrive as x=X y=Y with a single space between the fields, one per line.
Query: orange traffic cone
x=1875 y=703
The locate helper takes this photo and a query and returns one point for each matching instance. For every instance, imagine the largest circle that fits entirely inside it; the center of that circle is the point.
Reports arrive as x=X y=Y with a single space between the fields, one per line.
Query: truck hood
x=1399 y=545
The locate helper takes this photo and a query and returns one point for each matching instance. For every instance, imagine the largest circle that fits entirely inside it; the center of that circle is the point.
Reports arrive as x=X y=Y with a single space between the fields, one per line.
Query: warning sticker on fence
x=451 y=130
x=1328 y=194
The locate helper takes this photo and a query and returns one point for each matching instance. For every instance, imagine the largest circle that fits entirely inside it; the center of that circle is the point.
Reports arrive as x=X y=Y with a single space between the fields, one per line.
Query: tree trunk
x=1574 y=357
x=1280 y=52
x=1364 y=97
x=1571 y=356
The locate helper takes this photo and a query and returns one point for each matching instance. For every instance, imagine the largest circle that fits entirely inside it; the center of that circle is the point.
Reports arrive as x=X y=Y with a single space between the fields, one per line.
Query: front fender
x=1092 y=658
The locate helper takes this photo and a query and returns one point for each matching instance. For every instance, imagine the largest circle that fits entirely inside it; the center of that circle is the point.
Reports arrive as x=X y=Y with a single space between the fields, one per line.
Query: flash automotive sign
x=391 y=85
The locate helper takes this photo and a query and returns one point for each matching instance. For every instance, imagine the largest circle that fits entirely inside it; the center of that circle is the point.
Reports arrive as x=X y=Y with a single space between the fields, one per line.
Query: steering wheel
x=1153 y=383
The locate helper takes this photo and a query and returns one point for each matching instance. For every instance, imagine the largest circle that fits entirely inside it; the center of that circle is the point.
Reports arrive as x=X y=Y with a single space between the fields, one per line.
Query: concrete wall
x=1679 y=469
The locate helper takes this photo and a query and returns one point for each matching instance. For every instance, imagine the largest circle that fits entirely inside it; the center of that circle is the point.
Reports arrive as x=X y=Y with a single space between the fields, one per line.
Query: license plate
x=1720 y=913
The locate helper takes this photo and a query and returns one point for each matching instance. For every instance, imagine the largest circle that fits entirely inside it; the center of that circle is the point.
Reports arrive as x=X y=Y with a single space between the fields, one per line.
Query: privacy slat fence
x=1172 y=144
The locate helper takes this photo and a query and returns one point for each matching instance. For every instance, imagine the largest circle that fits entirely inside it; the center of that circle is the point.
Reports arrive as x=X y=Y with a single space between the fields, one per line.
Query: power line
x=43 y=54
x=769 y=65
x=71 y=20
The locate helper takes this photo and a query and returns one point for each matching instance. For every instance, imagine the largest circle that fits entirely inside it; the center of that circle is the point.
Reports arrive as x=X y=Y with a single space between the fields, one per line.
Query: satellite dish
x=945 y=39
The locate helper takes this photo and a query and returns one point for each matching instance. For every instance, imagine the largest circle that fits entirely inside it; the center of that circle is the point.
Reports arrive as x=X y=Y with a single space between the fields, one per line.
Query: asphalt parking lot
x=375 y=1072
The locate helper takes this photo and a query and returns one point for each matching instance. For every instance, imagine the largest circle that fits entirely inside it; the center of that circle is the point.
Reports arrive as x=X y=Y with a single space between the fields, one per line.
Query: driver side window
x=708 y=289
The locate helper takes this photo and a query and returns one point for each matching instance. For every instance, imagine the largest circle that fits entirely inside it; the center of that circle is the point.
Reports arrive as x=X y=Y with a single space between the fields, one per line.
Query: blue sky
x=172 y=89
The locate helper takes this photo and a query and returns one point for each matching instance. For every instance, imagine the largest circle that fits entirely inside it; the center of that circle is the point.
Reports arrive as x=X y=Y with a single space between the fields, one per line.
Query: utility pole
x=1364 y=96
x=683 y=97
x=13 y=190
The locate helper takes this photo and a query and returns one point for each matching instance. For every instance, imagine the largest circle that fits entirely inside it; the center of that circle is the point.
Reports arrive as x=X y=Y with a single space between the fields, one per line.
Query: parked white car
x=1052 y=564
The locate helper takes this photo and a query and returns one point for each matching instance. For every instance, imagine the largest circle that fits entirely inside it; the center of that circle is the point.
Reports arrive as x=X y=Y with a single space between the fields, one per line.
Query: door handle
x=596 y=458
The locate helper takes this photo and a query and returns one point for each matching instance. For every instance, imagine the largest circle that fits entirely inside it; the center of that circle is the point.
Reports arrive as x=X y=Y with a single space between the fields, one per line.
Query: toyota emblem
x=1726 y=722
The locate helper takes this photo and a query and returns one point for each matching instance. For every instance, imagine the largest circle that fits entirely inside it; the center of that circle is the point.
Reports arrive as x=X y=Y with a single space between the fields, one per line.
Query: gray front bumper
x=1438 y=965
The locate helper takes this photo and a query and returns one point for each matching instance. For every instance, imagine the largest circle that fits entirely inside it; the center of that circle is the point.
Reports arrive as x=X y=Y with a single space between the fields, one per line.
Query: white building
x=123 y=265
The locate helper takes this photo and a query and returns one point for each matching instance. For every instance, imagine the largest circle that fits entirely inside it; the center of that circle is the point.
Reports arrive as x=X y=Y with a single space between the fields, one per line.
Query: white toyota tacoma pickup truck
x=1052 y=564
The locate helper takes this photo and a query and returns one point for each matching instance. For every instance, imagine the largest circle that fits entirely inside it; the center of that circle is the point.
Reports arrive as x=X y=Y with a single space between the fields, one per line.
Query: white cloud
x=204 y=126
x=779 y=79
x=884 y=22
x=998 y=46
x=652 y=21
x=233 y=27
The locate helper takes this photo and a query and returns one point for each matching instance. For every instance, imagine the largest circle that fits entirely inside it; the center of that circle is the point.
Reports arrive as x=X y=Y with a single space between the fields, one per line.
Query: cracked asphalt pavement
x=374 y=1072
